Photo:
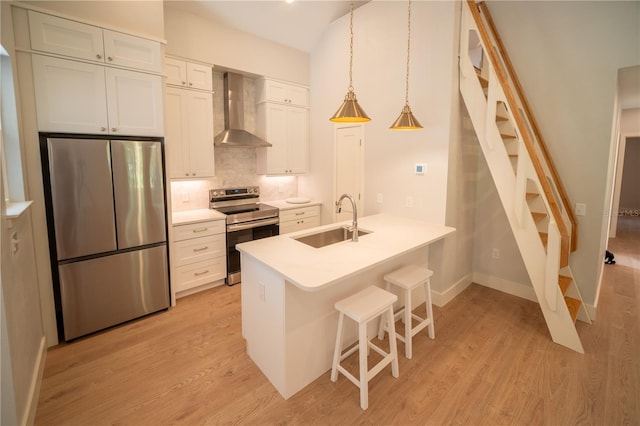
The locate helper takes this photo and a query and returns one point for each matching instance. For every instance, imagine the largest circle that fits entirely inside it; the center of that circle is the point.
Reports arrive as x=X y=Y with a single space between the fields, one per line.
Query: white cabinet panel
x=134 y=103
x=292 y=220
x=64 y=37
x=189 y=128
x=196 y=274
x=287 y=129
x=188 y=74
x=196 y=230
x=70 y=96
x=77 y=97
x=198 y=249
x=281 y=92
x=133 y=52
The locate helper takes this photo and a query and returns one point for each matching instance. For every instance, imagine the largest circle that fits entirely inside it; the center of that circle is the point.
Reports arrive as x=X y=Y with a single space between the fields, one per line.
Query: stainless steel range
x=247 y=219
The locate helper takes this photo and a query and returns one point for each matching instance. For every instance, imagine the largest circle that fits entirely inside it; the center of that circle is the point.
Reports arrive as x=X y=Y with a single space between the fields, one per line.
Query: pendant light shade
x=350 y=111
x=407 y=121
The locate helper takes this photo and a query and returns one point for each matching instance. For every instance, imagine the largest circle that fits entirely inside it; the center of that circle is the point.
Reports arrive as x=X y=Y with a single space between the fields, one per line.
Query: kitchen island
x=289 y=290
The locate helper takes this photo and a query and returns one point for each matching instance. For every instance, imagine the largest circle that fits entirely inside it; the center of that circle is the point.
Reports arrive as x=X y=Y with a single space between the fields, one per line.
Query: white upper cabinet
x=189 y=133
x=188 y=74
x=74 y=39
x=283 y=120
x=78 y=97
x=278 y=91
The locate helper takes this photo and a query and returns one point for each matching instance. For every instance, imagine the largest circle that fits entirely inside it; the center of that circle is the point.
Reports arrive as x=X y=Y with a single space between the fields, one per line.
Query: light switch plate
x=581 y=209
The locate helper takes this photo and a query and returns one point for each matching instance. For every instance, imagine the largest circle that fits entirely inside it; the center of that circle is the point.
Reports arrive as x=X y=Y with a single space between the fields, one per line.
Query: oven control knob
x=215 y=193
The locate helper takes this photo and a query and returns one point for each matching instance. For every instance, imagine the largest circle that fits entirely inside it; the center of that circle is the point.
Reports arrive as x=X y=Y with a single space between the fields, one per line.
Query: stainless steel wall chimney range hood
x=234 y=134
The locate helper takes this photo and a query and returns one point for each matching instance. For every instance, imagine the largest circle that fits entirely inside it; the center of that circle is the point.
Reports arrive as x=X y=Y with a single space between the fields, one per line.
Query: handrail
x=534 y=124
x=520 y=122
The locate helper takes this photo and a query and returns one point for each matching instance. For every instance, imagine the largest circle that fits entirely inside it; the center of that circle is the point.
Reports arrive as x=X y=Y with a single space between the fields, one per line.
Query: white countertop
x=195 y=216
x=311 y=268
x=283 y=205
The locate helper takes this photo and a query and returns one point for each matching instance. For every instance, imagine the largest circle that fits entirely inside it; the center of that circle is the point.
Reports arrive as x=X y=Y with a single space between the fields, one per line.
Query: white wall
x=191 y=36
x=567 y=55
x=630 y=190
x=379 y=66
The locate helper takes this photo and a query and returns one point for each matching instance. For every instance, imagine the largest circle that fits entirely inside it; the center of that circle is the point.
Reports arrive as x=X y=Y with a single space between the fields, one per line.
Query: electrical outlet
x=379 y=198
x=280 y=187
x=581 y=209
x=261 y=290
x=185 y=197
x=495 y=253
x=409 y=201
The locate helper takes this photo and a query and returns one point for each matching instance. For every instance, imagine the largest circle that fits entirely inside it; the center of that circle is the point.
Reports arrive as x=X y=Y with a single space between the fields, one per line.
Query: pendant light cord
x=350 y=88
x=406 y=95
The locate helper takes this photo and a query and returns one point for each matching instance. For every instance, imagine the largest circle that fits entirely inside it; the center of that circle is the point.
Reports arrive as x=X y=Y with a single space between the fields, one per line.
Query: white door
x=276 y=120
x=349 y=168
x=297 y=140
x=199 y=76
x=134 y=52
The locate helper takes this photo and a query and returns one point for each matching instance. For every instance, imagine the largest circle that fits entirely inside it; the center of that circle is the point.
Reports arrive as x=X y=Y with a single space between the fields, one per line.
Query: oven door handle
x=251 y=225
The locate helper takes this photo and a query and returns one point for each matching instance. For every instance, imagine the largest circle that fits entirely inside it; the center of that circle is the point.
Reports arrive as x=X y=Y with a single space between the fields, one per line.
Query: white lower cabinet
x=298 y=219
x=198 y=254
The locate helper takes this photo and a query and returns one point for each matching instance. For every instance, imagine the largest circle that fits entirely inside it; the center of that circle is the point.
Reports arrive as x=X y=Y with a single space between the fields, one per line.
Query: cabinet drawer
x=198 y=249
x=199 y=273
x=202 y=229
x=293 y=214
x=299 y=224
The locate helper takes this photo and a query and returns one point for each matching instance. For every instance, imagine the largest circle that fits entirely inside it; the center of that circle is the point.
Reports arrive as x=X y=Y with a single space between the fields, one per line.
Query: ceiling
x=298 y=24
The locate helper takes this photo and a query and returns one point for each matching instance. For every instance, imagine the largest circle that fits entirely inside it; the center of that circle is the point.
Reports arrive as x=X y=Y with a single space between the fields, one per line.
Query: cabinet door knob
x=186 y=174
x=184 y=83
x=190 y=84
x=114 y=129
x=103 y=129
x=110 y=58
x=98 y=56
x=193 y=174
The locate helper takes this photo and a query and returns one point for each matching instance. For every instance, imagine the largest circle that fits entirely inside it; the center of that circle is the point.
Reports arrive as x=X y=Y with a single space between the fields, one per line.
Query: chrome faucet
x=354 y=224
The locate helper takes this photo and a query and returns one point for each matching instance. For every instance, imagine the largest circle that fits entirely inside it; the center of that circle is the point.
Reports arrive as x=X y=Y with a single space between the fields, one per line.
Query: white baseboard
x=29 y=414
x=442 y=298
x=524 y=291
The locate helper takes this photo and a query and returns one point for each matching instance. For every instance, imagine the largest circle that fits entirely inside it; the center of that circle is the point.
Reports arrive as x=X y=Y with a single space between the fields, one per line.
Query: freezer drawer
x=106 y=291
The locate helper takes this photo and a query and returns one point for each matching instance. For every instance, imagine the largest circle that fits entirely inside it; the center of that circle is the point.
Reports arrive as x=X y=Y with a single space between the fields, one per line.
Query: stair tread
x=532 y=195
x=544 y=237
x=484 y=82
x=564 y=282
x=537 y=217
x=574 y=306
x=507 y=135
x=501 y=117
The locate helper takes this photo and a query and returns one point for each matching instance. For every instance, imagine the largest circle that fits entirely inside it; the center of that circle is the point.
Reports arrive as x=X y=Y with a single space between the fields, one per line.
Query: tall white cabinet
x=92 y=80
x=283 y=120
x=189 y=120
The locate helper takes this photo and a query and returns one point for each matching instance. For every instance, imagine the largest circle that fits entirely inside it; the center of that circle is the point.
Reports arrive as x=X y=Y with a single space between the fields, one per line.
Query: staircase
x=527 y=182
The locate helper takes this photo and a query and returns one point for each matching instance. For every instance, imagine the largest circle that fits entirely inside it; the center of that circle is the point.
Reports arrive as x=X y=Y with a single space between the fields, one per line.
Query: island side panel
x=311 y=320
x=262 y=292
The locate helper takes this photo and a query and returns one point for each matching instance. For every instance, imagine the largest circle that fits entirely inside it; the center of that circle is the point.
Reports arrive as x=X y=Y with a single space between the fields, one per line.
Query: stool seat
x=409 y=278
x=363 y=307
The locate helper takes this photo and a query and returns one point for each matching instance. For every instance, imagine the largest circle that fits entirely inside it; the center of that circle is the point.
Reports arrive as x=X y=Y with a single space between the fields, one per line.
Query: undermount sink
x=328 y=237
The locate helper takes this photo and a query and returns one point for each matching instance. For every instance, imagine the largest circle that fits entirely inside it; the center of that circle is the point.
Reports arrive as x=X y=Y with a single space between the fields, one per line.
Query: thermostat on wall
x=421 y=169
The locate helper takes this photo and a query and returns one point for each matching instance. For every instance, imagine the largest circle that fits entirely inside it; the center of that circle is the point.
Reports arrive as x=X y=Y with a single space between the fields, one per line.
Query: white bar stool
x=408 y=278
x=363 y=307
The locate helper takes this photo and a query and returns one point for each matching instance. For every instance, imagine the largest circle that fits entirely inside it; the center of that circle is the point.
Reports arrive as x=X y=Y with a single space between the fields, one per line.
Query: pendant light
x=407 y=121
x=350 y=111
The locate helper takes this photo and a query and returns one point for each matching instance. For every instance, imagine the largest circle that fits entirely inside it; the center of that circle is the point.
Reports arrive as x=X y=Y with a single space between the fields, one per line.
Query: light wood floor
x=492 y=363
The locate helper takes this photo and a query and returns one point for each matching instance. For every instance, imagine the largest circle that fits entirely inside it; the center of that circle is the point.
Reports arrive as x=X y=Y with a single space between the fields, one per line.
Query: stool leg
x=338 y=349
x=407 y=324
x=427 y=300
x=382 y=320
x=393 y=344
x=364 y=372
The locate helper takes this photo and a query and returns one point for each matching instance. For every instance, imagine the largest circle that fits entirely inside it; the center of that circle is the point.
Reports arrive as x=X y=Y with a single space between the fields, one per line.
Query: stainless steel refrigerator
x=107 y=230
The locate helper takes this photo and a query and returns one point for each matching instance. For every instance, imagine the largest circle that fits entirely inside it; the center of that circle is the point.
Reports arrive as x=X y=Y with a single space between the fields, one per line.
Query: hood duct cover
x=234 y=133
